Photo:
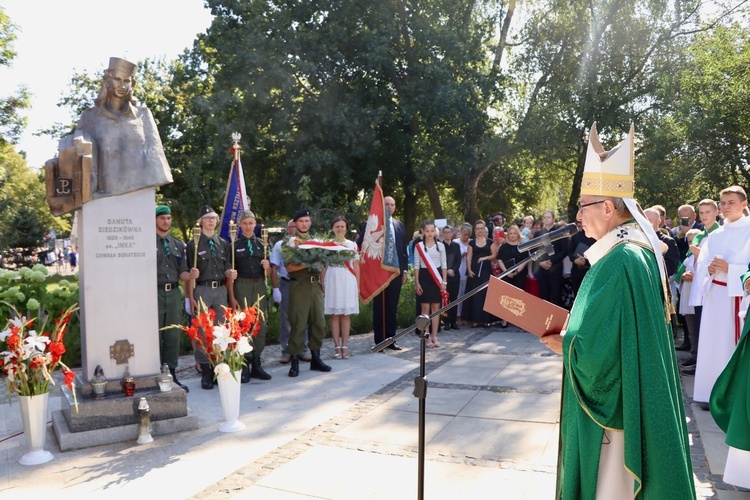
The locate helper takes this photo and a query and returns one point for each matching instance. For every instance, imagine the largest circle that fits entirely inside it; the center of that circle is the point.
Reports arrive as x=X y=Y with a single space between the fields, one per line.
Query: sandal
x=345 y=354
x=435 y=343
x=338 y=354
x=430 y=344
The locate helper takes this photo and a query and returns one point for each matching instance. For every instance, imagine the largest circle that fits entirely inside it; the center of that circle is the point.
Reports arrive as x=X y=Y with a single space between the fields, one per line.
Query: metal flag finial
x=236 y=136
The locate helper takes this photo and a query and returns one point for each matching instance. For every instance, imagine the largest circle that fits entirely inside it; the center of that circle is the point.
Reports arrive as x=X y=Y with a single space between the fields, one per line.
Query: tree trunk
x=471 y=183
x=434 y=196
x=410 y=211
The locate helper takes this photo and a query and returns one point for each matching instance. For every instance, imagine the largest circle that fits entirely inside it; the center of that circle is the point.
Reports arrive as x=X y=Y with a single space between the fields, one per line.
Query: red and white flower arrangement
x=226 y=342
x=29 y=357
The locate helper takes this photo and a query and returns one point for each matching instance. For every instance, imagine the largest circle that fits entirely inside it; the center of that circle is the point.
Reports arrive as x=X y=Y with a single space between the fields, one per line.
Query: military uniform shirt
x=248 y=254
x=169 y=267
x=210 y=264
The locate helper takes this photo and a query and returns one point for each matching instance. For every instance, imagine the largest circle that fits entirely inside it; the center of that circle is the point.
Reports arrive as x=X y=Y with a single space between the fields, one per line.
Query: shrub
x=36 y=294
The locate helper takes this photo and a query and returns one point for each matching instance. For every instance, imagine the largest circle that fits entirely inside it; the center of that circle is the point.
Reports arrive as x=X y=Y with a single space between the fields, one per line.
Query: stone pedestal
x=119 y=315
x=115 y=419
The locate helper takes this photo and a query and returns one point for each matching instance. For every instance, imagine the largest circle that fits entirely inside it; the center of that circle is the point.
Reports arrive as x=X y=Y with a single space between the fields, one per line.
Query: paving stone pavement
x=492 y=404
x=707 y=484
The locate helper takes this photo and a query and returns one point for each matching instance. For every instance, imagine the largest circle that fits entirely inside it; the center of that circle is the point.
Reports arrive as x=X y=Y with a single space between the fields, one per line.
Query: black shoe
x=207 y=376
x=684 y=347
x=394 y=346
x=257 y=371
x=294 y=369
x=316 y=363
x=689 y=371
x=245 y=376
x=703 y=406
x=174 y=377
x=688 y=362
x=454 y=326
x=446 y=327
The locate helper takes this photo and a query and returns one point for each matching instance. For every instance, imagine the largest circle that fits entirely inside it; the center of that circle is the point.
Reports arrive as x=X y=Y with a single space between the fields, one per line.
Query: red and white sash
x=351 y=268
x=422 y=249
x=349 y=264
x=433 y=270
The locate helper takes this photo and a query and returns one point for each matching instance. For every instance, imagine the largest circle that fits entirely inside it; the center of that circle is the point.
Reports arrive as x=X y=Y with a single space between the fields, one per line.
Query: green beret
x=163 y=210
x=248 y=214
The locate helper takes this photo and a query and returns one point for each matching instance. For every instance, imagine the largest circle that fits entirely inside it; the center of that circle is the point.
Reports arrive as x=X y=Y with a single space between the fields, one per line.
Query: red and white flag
x=378 y=260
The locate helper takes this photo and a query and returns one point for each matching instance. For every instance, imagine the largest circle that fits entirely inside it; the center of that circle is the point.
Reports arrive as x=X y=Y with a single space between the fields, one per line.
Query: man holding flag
x=382 y=259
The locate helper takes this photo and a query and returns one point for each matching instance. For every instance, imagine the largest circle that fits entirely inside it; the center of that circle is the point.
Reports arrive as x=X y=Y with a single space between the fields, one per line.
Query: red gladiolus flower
x=13 y=340
x=56 y=349
x=69 y=377
x=37 y=362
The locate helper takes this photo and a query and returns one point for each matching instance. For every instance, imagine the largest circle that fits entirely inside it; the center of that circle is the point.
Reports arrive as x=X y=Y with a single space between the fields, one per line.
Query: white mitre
x=610 y=173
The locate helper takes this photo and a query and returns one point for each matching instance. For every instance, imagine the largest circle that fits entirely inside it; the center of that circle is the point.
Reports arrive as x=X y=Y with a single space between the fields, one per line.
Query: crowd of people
x=447 y=262
x=473 y=255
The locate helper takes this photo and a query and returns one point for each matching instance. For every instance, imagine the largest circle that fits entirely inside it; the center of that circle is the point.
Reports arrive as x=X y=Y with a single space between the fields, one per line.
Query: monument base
x=87 y=439
x=115 y=418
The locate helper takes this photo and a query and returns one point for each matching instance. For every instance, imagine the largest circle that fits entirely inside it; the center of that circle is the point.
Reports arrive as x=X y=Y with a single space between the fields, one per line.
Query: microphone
x=546 y=239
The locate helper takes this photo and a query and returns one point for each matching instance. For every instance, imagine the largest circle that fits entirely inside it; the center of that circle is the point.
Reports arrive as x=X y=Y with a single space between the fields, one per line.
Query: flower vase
x=229 y=390
x=34 y=417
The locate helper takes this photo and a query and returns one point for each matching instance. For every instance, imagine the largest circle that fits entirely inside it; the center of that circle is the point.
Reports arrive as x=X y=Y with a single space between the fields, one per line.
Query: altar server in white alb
x=722 y=261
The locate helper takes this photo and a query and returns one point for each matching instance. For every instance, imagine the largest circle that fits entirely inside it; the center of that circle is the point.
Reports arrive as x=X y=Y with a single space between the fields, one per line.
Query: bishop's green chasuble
x=620 y=373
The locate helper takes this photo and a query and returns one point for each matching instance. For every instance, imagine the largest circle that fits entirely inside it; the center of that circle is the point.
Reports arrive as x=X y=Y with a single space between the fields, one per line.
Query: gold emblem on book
x=515 y=306
x=548 y=321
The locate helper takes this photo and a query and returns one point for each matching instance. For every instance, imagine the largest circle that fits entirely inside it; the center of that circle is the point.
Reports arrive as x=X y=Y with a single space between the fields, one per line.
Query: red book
x=524 y=310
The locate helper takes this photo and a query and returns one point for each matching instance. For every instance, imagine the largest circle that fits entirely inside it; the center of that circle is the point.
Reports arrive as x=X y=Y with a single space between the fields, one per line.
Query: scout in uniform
x=214 y=268
x=248 y=288
x=171 y=266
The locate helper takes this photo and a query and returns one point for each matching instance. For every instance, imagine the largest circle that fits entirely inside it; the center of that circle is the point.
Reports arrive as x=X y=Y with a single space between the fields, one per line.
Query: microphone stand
x=421 y=324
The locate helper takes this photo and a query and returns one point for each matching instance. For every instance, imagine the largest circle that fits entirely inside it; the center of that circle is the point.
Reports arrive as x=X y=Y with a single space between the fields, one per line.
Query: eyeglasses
x=582 y=206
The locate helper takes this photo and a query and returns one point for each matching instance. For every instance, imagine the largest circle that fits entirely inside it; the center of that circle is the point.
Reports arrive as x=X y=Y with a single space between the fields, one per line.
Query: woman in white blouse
x=431 y=275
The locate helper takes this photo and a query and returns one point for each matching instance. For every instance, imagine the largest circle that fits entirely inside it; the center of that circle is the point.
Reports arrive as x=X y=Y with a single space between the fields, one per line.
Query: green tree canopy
x=699 y=143
x=26 y=217
x=11 y=122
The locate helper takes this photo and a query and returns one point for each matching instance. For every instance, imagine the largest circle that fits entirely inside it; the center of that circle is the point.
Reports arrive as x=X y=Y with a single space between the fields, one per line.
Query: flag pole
x=379 y=180
x=236 y=149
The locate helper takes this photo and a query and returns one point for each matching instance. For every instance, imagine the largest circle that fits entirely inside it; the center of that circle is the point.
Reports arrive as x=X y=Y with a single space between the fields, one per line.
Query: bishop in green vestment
x=623 y=433
x=621 y=377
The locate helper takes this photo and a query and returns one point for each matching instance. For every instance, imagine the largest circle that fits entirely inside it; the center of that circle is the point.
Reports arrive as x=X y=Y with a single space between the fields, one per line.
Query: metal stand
x=420 y=383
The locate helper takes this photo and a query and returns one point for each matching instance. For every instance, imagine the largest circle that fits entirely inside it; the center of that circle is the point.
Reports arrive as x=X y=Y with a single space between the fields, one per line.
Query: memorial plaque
x=117 y=248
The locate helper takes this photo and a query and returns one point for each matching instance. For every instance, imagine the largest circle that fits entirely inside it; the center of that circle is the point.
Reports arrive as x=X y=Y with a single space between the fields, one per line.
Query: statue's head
x=119 y=80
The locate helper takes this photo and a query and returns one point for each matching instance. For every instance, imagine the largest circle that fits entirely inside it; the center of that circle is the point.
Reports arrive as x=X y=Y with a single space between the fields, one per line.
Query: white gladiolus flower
x=223 y=337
